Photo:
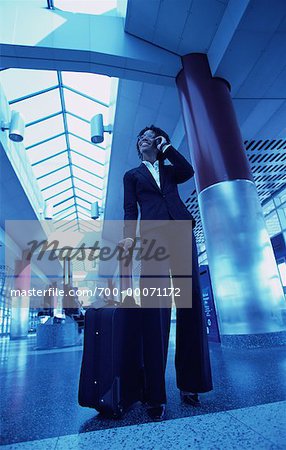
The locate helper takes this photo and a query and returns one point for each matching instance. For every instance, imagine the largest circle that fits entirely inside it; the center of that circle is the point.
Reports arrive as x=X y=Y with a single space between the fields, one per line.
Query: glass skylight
x=94 y=86
x=78 y=126
x=20 y=83
x=39 y=106
x=44 y=130
x=76 y=103
x=53 y=191
x=57 y=108
x=49 y=148
x=87 y=149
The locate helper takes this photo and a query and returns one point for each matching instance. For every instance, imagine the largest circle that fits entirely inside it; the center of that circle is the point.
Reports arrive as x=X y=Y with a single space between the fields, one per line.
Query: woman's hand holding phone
x=160 y=142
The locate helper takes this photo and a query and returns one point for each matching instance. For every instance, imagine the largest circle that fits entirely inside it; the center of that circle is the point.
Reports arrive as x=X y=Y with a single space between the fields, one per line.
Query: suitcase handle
x=125 y=277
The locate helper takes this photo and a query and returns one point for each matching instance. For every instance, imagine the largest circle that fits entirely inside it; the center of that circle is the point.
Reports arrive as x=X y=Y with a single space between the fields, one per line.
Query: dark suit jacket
x=155 y=203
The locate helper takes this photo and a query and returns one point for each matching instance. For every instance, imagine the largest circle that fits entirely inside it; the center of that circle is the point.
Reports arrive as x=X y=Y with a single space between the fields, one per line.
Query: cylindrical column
x=20 y=304
x=244 y=274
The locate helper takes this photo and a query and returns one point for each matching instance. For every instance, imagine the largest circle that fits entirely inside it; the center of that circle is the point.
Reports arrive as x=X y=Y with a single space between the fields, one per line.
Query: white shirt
x=154 y=168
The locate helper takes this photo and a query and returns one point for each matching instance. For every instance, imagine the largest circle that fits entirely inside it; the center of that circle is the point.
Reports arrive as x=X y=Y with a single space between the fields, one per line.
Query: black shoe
x=156 y=413
x=190 y=399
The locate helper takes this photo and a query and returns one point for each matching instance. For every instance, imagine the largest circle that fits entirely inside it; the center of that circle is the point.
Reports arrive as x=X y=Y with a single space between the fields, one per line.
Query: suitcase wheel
x=119 y=413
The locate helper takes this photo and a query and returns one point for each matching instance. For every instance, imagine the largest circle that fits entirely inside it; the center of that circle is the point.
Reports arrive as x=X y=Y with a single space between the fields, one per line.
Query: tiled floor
x=258 y=427
x=39 y=403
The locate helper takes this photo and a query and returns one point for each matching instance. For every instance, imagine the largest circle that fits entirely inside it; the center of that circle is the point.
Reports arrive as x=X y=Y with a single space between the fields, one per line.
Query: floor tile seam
x=56 y=443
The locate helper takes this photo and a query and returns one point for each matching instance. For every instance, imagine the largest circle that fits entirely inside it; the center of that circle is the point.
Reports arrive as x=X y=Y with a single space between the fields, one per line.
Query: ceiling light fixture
x=98 y=129
x=16 y=127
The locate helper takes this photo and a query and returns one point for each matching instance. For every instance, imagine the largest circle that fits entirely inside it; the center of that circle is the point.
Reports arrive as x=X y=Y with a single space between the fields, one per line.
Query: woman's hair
x=157 y=131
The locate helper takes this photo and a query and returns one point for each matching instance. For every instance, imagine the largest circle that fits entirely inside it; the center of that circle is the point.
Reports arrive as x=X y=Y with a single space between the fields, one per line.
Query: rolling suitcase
x=111 y=377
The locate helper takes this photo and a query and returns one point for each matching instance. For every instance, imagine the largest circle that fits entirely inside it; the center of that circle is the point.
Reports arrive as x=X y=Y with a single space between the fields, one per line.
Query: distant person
x=71 y=305
x=153 y=185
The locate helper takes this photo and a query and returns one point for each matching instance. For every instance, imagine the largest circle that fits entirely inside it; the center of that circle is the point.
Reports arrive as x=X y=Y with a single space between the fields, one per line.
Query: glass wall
x=275 y=216
x=5 y=299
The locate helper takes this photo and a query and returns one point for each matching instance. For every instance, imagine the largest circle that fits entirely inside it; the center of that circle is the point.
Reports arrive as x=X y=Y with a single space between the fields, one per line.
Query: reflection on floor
x=39 y=401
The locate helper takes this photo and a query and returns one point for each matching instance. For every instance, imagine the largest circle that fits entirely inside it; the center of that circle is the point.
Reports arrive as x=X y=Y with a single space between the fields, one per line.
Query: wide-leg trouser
x=192 y=362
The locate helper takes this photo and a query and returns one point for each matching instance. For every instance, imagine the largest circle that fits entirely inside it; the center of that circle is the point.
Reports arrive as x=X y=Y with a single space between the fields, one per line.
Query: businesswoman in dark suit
x=153 y=185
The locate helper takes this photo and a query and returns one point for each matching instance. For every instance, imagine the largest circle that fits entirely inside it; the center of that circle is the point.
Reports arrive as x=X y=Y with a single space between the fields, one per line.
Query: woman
x=166 y=220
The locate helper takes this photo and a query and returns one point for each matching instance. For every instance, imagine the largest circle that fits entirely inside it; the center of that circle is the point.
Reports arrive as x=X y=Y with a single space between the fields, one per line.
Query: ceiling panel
x=54 y=177
x=54 y=190
x=18 y=83
x=82 y=202
x=262 y=76
x=88 y=177
x=90 y=188
x=87 y=163
x=78 y=127
x=51 y=164
x=64 y=206
x=61 y=196
x=39 y=106
x=47 y=149
x=95 y=86
x=88 y=149
x=180 y=26
x=84 y=107
x=141 y=21
x=67 y=211
x=43 y=130
x=86 y=195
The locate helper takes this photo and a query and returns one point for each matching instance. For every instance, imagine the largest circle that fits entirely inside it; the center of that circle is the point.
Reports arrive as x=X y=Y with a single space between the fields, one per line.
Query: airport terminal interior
x=79 y=79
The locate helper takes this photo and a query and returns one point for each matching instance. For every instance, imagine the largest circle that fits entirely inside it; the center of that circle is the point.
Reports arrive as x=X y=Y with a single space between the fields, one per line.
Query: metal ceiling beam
x=59 y=193
x=83 y=209
x=83 y=199
x=87 y=182
x=73 y=226
x=88 y=171
x=45 y=141
x=53 y=171
x=64 y=201
x=49 y=157
x=85 y=192
x=85 y=140
x=63 y=218
x=67 y=134
x=42 y=119
x=100 y=45
x=55 y=184
x=66 y=223
x=33 y=94
x=63 y=210
x=88 y=97
x=87 y=157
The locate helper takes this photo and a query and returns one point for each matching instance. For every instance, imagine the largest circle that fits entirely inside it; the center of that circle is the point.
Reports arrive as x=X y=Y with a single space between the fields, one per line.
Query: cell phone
x=158 y=141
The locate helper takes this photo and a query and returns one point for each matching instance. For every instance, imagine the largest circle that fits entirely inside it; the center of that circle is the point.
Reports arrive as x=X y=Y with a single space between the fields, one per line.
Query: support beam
x=80 y=42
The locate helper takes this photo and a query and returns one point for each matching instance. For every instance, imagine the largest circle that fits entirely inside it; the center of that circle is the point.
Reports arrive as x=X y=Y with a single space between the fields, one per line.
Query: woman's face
x=146 y=142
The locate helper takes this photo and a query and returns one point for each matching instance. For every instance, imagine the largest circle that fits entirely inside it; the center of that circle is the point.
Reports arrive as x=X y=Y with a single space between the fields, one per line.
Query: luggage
x=111 y=377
